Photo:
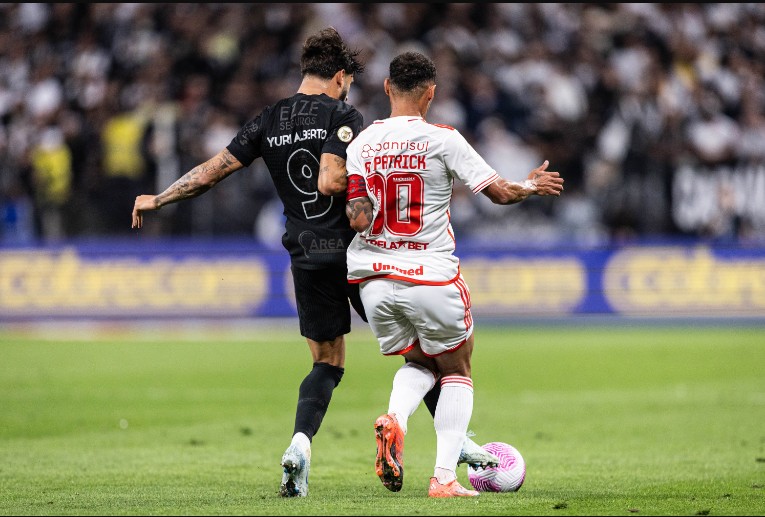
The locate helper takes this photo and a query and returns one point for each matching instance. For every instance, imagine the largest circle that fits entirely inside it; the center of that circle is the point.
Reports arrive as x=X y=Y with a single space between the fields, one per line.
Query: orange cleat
x=389 y=463
x=452 y=489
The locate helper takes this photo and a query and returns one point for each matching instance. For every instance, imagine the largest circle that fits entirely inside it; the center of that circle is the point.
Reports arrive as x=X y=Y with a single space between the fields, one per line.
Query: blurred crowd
x=653 y=113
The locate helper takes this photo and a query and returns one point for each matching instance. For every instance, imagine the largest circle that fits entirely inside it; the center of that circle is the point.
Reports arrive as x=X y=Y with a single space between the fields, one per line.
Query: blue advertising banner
x=239 y=279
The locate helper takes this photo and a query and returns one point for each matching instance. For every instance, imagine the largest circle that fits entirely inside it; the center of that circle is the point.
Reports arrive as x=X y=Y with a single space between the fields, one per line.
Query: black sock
x=431 y=398
x=314 y=396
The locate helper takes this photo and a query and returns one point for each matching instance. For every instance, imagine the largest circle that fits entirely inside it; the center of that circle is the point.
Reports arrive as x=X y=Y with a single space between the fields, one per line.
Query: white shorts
x=401 y=314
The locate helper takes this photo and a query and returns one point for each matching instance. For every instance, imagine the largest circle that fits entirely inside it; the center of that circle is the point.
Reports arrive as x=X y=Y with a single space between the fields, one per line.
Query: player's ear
x=386 y=86
x=339 y=78
x=431 y=92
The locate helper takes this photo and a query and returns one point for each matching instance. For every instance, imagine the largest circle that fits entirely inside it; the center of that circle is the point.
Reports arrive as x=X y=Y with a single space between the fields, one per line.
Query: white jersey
x=409 y=167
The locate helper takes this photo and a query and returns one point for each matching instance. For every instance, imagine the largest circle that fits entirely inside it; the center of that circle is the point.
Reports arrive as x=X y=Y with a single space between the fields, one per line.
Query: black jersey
x=291 y=136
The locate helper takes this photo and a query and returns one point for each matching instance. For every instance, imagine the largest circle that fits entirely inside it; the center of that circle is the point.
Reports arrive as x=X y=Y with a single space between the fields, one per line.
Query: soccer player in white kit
x=401 y=172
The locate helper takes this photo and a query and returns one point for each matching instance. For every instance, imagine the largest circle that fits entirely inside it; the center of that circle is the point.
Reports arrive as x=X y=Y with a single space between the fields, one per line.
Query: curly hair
x=324 y=54
x=412 y=72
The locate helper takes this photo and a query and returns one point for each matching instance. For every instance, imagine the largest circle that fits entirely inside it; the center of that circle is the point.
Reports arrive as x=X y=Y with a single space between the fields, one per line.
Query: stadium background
x=653 y=113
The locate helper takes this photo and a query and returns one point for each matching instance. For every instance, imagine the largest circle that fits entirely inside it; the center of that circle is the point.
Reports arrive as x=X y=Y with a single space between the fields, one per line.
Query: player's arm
x=197 y=181
x=332 y=176
x=358 y=206
x=540 y=182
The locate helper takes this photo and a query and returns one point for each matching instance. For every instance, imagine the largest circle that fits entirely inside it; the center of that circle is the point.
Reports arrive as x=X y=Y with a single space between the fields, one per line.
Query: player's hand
x=143 y=204
x=548 y=183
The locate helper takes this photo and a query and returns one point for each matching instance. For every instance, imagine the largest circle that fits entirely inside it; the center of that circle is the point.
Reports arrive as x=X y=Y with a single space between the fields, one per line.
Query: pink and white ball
x=507 y=477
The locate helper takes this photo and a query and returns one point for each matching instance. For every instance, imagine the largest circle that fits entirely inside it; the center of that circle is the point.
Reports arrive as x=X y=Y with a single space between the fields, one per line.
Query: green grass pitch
x=611 y=420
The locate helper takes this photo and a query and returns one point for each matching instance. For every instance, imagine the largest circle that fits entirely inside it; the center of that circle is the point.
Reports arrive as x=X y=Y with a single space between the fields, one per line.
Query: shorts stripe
x=406 y=349
x=465 y=295
x=453 y=349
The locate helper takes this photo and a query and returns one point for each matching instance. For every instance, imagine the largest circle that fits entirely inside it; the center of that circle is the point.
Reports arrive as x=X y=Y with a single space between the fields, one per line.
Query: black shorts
x=322 y=297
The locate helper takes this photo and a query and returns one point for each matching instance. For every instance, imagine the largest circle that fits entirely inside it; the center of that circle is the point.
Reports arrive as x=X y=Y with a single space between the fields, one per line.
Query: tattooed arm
x=358 y=205
x=197 y=181
x=359 y=212
x=332 y=176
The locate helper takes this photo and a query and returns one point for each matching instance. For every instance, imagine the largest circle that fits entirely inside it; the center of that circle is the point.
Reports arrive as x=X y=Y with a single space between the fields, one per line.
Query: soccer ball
x=507 y=477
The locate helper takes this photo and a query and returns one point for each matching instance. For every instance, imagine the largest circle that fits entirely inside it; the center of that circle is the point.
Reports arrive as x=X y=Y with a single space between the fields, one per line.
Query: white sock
x=302 y=441
x=453 y=412
x=444 y=476
x=410 y=384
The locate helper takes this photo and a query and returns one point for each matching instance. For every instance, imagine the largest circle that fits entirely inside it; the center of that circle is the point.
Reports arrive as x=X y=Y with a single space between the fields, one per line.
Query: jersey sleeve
x=246 y=145
x=355 y=173
x=344 y=129
x=465 y=164
x=357 y=183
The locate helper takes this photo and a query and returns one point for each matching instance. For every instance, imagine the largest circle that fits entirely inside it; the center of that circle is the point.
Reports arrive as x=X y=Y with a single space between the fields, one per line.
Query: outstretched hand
x=143 y=204
x=548 y=183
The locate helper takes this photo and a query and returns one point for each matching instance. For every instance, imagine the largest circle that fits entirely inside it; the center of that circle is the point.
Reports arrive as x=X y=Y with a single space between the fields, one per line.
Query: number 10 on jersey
x=401 y=197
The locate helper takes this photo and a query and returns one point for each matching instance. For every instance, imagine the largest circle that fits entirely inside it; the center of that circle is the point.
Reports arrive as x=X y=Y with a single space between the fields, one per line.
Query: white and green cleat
x=475 y=455
x=296 y=464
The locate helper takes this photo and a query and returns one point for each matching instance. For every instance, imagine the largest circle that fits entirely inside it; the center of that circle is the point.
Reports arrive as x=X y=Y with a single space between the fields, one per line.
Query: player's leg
x=411 y=383
x=316 y=390
x=396 y=336
x=431 y=398
x=324 y=317
x=354 y=297
x=442 y=317
x=471 y=454
x=407 y=393
x=455 y=408
x=314 y=396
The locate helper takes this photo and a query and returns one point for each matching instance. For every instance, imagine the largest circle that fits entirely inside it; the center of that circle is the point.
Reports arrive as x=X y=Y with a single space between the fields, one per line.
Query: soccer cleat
x=389 y=463
x=296 y=464
x=476 y=456
x=451 y=489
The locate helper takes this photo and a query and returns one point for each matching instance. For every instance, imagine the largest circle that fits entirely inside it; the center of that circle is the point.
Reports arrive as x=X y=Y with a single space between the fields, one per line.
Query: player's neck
x=406 y=109
x=316 y=86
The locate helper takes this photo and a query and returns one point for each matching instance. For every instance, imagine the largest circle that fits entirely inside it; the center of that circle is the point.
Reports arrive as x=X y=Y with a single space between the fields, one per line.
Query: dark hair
x=325 y=54
x=412 y=72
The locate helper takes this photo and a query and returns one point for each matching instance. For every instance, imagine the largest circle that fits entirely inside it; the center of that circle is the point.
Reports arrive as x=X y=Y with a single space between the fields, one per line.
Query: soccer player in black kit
x=303 y=141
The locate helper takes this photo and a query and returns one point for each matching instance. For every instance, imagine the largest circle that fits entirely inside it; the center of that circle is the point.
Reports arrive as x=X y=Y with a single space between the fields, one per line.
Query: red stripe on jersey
x=442 y=125
x=448 y=230
x=485 y=183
